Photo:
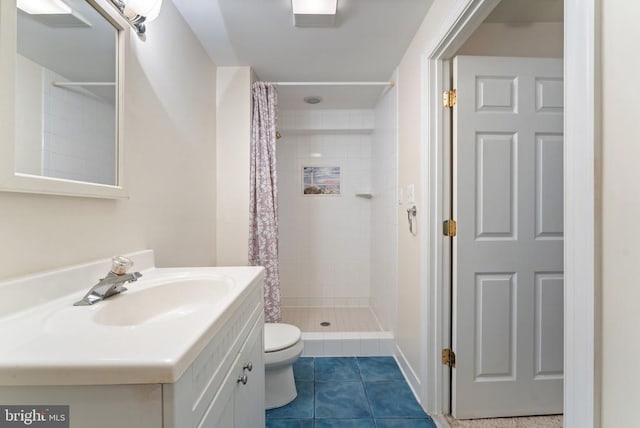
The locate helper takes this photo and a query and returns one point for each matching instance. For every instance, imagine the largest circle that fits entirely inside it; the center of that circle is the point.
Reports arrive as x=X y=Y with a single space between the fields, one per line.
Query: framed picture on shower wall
x=321 y=180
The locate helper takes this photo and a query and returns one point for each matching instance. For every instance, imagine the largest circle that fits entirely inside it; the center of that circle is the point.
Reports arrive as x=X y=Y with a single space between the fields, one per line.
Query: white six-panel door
x=508 y=253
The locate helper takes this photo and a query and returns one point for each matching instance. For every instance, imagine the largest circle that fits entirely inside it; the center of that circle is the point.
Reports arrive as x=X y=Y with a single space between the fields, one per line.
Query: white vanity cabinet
x=191 y=365
x=224 y=387
x=237 y=401
x=211 y=393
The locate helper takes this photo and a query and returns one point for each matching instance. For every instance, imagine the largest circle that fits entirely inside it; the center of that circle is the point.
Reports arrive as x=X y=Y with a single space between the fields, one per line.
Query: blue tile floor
x=350 y=392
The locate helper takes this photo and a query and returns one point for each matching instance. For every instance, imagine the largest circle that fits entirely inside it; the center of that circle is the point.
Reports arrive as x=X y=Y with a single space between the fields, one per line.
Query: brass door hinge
x=448 y=358
x=450 y=228
x=449 y=98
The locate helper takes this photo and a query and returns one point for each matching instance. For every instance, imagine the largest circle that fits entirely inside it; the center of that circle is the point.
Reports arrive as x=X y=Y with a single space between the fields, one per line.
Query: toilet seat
x=280 y=336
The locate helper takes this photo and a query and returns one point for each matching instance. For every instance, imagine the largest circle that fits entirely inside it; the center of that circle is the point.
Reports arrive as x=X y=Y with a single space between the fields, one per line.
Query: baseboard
x=412 y=379
x=440 y=421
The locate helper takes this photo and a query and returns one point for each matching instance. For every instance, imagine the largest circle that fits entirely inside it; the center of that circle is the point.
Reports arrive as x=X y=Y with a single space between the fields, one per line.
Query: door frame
x=582 y=121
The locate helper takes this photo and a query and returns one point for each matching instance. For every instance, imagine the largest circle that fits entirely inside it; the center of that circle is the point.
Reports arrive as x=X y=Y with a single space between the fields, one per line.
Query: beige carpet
x=527 y=422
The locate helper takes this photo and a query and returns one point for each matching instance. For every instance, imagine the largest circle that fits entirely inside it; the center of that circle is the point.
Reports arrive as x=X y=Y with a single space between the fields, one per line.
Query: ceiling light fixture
x=44 y=7
x=313 y=99
x=138 y=13
x=314 y=13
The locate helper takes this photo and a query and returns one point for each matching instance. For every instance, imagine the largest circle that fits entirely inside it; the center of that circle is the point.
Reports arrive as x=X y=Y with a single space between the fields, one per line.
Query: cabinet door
x=249 y=397
x=220 y=413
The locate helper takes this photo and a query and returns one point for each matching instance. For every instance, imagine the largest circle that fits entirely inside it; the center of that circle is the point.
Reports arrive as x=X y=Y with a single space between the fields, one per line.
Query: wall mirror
x=64 y=57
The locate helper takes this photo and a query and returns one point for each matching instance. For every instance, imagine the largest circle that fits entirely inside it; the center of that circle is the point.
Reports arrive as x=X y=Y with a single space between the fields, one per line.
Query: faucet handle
x=120 y=265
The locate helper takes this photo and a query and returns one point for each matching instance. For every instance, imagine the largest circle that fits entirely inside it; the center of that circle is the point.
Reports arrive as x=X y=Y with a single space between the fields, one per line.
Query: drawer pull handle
x=248 y=366
x=243 y=379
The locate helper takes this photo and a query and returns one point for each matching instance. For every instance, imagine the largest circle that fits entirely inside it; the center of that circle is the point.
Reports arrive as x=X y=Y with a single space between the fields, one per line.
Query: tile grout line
x=366 y=394
x=313 y=410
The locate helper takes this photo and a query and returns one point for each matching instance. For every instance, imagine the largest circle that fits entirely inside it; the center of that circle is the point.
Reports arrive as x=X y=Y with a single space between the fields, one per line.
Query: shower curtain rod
x=335 y=83
x=60 y=84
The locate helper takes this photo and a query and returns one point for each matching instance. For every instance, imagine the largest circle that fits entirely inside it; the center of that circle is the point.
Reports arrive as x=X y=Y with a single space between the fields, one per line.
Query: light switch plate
x=400 y=196
x=411 y=194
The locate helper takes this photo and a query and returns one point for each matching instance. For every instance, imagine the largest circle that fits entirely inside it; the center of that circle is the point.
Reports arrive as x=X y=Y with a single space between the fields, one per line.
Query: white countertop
x=56 y=343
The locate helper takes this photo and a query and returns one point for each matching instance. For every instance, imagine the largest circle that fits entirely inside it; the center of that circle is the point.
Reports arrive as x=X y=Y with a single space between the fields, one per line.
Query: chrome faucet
x=111 y=284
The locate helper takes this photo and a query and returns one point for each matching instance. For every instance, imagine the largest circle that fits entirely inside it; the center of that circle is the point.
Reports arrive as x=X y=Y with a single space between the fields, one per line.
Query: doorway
x=507 y=256
x=581 y=144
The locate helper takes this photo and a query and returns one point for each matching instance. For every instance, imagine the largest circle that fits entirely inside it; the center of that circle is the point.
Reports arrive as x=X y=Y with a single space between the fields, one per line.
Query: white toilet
x=282 y=347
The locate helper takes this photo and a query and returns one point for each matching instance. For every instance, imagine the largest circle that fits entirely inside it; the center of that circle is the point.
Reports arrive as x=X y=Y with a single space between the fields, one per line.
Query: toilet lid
x=279 y=336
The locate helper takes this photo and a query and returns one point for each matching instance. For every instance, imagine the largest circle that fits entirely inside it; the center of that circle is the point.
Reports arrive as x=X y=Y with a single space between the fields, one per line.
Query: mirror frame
x=10 y=179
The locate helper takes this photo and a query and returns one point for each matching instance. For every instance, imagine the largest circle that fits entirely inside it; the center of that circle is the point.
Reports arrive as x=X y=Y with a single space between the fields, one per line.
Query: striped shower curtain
x=263 y=227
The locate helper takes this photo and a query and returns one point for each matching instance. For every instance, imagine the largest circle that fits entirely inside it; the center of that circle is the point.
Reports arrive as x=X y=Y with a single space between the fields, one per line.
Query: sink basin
x=162 y=302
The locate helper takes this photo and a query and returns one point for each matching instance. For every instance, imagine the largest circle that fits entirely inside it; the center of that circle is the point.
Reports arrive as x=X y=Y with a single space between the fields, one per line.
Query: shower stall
x=337 y=198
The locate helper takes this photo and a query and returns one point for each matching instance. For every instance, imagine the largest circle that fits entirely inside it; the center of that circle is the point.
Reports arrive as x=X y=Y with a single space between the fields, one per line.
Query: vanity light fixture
x=314 y=13
x=138 y=13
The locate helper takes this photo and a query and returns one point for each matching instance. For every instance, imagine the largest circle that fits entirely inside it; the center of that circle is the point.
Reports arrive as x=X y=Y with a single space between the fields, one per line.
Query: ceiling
x=522 y=11
x=366 y=44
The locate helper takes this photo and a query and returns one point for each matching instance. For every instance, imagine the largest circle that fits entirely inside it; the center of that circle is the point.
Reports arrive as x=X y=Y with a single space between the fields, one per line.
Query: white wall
x=411 y=169
x=621 y=209
x=324 y=240
x=384 y=219
x=233 y=103
x=169 y=144
x=535 y=39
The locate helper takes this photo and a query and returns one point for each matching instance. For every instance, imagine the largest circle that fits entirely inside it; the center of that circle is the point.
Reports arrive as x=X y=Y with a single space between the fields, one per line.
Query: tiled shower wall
x=341 y=251
x=325 y=241
x=79 y=133
x=65 y=133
